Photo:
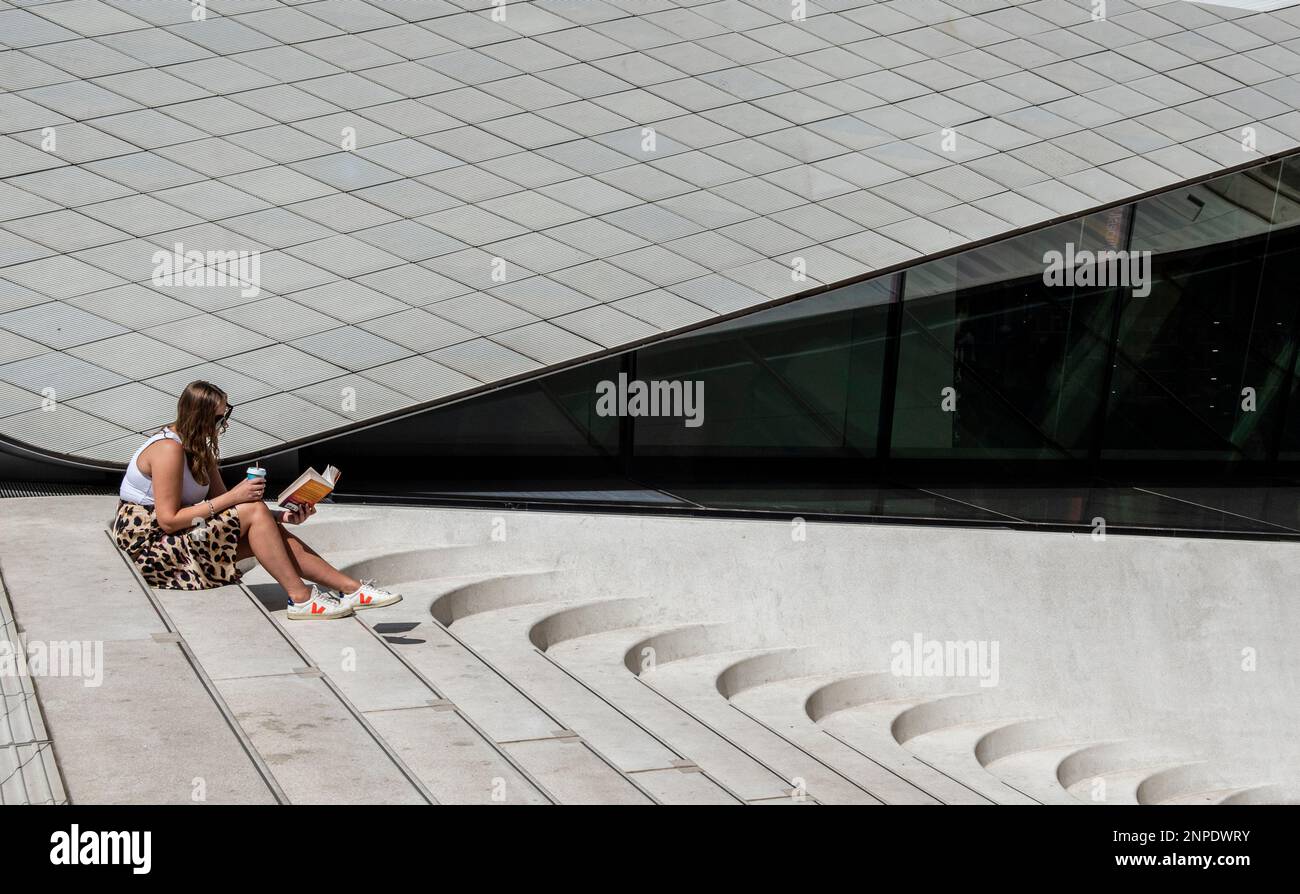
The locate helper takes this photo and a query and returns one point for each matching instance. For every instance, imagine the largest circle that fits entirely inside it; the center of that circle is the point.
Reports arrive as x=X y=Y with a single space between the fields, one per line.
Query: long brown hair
x=198 y=423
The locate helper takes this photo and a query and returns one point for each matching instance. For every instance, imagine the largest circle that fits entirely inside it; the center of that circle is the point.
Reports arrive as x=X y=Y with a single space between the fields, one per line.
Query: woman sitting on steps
x=186 y=531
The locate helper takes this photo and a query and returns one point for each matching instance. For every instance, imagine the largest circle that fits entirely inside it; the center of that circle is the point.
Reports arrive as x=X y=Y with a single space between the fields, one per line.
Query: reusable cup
x=255 y=473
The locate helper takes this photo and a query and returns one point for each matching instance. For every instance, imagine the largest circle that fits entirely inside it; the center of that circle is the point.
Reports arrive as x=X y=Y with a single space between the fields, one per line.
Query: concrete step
x=1113 y=772
x=608 y=645
x=312 y=741
x=776 y=686
x=493 y=603
x=532 y=691
x=866 y=731
x=860 y=710
x=692 y=684
x=1201 y=799
x=392 y=565
x=396 y=569
x=944 y=732
x=1120 y=787
x=318 y=750
x=563 y=766
x=359 y=526
x=1201 y=782
x=507 y=720
x=682 y=664
x=1034 y=773
x=455 y=761
x=780 y=705
x=952 y=749
x=148 y=728
x=501 y=637
x=598 y=659
x=1027 y=756
x=1265 y=794
x=395 y=680
x=344 y=527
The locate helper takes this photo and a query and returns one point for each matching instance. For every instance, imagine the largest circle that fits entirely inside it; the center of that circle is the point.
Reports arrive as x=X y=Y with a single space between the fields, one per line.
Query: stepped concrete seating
x=1025 y=755
x=945 y=732
x=691 y=683
x=593 y=643
x=312 y=740
x=150 y=733
x=488 y=618
x=774 y=688
x=1112 y=772
x=859 y=711
x=557 y=658
x=1265 y=794
x=383 y=657
x=779 y=705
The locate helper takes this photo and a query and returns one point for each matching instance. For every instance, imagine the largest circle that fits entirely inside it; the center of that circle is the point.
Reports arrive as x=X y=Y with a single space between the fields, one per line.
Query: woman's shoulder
x=162 y=448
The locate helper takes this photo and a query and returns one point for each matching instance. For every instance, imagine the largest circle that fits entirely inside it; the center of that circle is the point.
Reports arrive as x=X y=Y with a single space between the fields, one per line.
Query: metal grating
x=28 y=772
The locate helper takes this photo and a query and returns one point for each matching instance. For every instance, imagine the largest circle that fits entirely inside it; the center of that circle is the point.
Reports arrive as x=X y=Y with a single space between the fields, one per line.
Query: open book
x=310 y=488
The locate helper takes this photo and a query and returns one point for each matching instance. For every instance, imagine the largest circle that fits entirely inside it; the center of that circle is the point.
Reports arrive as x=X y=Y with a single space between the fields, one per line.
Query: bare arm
x=164 y=462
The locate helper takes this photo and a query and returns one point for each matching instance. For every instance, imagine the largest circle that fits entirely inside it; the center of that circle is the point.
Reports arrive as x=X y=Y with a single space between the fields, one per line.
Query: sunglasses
x=224 y=421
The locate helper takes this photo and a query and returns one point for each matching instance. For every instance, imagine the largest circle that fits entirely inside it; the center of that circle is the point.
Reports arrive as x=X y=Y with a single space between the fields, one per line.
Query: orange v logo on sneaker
x=318 y=609
x=365 y=600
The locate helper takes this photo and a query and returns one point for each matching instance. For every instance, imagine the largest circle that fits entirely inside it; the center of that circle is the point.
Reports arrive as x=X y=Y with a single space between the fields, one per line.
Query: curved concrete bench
x=689 y=641
x=780 y=703
x=1026 y=754
x=1266 y=794
x=1120 y=766
x=1022 y=736
x=500 y=592
x=864 y=689
x=689 y=659
x=598 y=658
x=946 y=732
x=592 y=618
x=859 y=711
x=348 y=532
x=775 y=666
x=961 y=709
x=1199 y=783
x=410 y=565
x=691 y=681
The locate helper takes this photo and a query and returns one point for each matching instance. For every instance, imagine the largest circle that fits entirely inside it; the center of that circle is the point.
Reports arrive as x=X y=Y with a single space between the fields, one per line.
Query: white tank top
x=138 y=488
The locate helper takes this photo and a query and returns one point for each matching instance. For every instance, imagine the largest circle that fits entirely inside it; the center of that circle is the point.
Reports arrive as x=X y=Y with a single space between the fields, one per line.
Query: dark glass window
x=1065 y=349
x=995 y=362
x=802 y=379
x=547 y=426
x=1202 y=361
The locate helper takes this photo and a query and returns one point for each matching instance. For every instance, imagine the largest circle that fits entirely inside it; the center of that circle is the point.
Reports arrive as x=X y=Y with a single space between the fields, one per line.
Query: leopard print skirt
x=199 y=559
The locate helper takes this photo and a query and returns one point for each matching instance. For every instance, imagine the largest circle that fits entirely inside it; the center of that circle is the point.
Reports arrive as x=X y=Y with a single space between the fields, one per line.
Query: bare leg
x=260 y=530
x=313 y=567
x=308 y=563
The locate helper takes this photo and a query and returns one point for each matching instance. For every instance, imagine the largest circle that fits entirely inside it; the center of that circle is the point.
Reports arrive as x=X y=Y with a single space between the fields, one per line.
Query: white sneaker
x=369 y=596
x=320 y=607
